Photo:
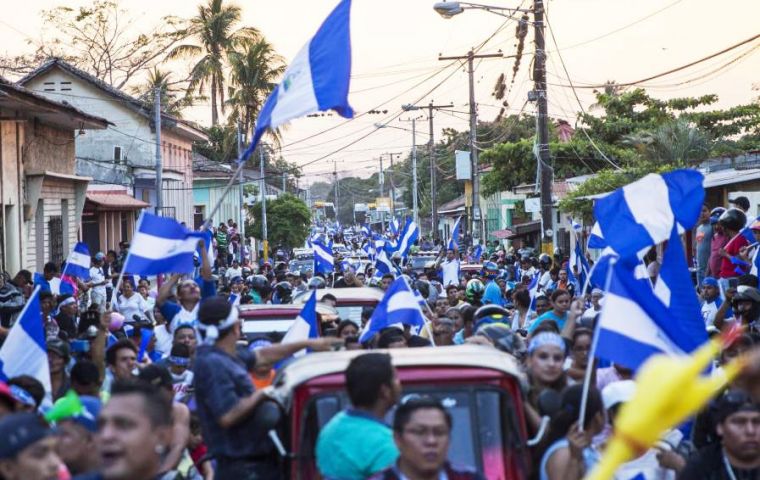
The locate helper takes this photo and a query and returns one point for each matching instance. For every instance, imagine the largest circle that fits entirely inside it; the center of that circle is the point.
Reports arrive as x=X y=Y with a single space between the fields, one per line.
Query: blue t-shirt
x=550 y=315
x=170 y=309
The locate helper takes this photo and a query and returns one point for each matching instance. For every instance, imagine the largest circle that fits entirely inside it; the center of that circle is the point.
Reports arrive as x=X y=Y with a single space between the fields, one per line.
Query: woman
x=347 y=328
x=468 y=324
x=569 y=456
x=131 y=303
x=578 y=360
x=560 y=300
x=523 y=316
x=546 y=356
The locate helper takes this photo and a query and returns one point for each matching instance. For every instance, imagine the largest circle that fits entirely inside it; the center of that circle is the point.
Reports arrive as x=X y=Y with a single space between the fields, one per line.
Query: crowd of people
x=170 y=388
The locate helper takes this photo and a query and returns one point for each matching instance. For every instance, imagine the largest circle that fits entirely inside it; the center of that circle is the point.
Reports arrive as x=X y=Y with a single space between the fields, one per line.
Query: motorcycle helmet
x=283 y=293
x=474 y=290
x=489 y=314
x=733 y=219
x=545 y=261
x=316 y=283
x=490 y=269
x=259 y=282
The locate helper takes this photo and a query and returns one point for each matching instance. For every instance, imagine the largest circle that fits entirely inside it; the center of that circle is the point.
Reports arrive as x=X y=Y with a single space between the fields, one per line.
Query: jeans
x=245 y=469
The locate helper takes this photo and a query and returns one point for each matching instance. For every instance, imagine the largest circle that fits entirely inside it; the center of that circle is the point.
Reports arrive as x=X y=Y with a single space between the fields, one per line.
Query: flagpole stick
x=126 y=262
x=592 y=353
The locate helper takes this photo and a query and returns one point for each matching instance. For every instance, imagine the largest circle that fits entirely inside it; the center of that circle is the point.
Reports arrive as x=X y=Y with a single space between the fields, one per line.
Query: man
x=160 y=378
x=355 y=443
x=738 y=453
x=449 y=267
x=27 y=449
x=703 y=234
x=189 y=295
x=121 y=360
x=76 y=438
x=66 y=318
x=711 y=301
x=85 y=378
x=222 y=242
x=452 y=296
x=225 y=397
x=234 y=271
x=12 y=301
x=742 y=203
x=58 y=353
x=98 y=280
x=134 y=432
x=386 y=281
x=733 y=221
x=422 y=433
x=348 y=279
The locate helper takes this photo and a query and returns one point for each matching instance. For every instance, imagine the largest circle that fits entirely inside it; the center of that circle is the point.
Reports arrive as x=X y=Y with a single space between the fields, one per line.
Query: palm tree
x=214 y=29
x=676 y=142
x=253 y=71
x=173 y=101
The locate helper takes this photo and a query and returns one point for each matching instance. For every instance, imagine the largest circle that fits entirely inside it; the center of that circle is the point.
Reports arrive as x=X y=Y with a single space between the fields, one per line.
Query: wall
x=208 y=192
x=11 y=201
x=48 y=149
x=38 y=239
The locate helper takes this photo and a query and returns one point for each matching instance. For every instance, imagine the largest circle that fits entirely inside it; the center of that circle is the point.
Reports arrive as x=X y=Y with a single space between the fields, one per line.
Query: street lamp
x=450 y=9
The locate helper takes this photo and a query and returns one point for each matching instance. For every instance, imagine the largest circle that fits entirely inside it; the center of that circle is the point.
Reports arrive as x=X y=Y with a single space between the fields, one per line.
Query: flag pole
x=126 y=262
x=592 y=353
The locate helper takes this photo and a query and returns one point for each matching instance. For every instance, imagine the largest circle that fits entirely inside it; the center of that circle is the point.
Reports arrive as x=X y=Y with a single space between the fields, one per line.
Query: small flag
x=161 y=245
x=383 y=264
x=643 y=213
x=533 y=291
x=596 y=238
x=399 y=305
x=25 y=350
x=477 y=253
x=454 y=240
x=324 y=261
x=408 y=236
x=317 y=79
x=393 y=225
x=78 y=263
x=305 y=325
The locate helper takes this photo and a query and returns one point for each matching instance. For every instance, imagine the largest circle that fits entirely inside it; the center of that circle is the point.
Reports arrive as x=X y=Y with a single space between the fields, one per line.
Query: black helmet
x=317 y=282
x=545 y=261
x=284 y=289
x=423 y=287
x=258 y=282
x=733 y=219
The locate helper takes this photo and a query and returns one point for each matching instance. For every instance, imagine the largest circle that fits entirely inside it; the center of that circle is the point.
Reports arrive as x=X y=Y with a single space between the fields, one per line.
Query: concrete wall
x=207 y=193
x=57 y=199
x=11 y=200
x=48 y=149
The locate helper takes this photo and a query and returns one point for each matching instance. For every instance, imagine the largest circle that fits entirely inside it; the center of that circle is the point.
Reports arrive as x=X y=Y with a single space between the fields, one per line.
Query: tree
x=673 y=143
x=288 y=221
x=173 y=99
x=100 y=40
x=253 y=73
x=214 y=28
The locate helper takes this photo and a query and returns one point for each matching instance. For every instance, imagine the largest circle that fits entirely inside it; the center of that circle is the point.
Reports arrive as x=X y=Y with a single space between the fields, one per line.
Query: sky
x=396 y=44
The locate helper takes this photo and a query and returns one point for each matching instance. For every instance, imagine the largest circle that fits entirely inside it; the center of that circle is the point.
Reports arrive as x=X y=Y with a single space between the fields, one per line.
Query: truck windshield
x=484 y=427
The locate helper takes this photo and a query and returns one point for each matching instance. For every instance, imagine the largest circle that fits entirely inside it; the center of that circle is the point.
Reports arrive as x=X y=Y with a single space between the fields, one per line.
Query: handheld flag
x=477 y=253
x=533 y=291
x=399 y=305
x=454 y=240
x=324 y=261
x=25 y=350
x=578 y=260
x=643 y=213
x=317 y=79
x=408 y=236
x=596 y=238
x=161 y=245
x=305 y=325
x=78 y=263
x=383 y=264
x=394 y=225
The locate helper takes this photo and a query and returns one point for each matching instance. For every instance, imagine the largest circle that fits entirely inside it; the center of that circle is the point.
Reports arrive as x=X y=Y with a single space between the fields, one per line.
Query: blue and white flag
x=454 y=240
x=747 y=231
x=533 y=291
x=78 y=263
x=161 y=245
x=208 y=241
x=25 y=350
x=643 y=213
x=383 y=264
x=399 y=305
x=394 y=225
x=667 y=322
x=755 y=260
x=324 y=261
x=578 y=260
x=408 y=236
x=577 y=227
x=596 y=238
x=477 y=253
x=305 y=326
x=365 y=231
x=317 y=79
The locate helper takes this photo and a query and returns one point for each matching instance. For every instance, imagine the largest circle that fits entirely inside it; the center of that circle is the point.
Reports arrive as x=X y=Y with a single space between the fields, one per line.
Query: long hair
x=570 y=411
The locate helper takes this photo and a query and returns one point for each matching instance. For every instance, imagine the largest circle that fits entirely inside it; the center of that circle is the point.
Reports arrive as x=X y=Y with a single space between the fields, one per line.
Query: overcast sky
x=396 y=44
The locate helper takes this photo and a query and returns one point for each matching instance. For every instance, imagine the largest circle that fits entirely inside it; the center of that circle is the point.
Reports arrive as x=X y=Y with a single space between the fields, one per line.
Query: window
x=117 y=158
x=65 y=223
x=199 y=214
x=65 y=86
x=124 y=220
x=55 y=237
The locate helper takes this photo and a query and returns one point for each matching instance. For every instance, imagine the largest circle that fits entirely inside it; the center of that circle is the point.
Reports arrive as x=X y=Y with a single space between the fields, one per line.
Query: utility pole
x=263 y=189
x=242 y=216
x=284 y=182
x=335 y=181
x=478 y=225
x=159 y=160
x=393 y=186
x=414 y=163
x=547 y=172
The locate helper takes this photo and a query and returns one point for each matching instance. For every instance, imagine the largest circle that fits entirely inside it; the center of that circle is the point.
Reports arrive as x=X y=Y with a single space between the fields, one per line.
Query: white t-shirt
x=450 y=269
x=129 y=307
x=97 y=276
x=545 y=280
x=233 y=272
x=55 y=285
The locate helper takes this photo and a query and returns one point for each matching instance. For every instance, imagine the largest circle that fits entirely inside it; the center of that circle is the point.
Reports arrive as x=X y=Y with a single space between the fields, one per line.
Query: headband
x=211 y=332
x=546 y=338
x=179 y=361
x=22 y=396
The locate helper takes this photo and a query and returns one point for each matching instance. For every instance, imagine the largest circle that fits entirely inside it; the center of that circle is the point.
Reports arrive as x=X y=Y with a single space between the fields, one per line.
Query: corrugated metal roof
x=115 y=200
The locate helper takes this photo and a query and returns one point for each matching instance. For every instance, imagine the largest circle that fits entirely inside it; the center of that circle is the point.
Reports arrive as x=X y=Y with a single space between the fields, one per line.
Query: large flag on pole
x=25 y=350
x=454 y=240
x=317 y=79
x=305 y=326
x=78 y=263
x=161 y=245
x=399 y=305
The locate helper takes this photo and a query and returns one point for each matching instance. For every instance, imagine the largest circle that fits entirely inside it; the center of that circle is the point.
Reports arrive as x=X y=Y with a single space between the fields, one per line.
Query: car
x=480 y=386
x=298 y=266
x=303 y=253
x=471 y=268
x=273 y=321
x=420 y=262
x=350 y=301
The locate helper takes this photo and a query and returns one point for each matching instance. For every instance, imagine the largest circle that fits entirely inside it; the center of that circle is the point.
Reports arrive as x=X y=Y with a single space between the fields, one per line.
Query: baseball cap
x=741 y=202
x=18 y=431
x=755 y=225
x=709 y=282
x=618 y=392
x=88 y=416
x=734 y=401
x=100 y=256
x=156 y=375
x=58 y=346
x=237 y=279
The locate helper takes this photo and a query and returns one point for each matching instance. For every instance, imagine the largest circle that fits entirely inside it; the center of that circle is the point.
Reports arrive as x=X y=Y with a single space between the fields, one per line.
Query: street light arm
x=450 y=9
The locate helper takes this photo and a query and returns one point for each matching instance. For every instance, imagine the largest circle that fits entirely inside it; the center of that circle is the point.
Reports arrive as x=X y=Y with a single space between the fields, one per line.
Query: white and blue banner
x=383 y=264
x=161 y=245
x=635 y=324
x=317 y=79
x=25 y=350
x=596 y=237
x=399 y=305
x=78 y=263
x=324 y=262
x=408 y=236
x=305 y=325
x=454 y=240
x=643 y=213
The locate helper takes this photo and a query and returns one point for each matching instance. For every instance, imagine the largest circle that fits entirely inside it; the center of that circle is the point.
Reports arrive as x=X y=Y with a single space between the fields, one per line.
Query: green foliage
x=288 y=220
